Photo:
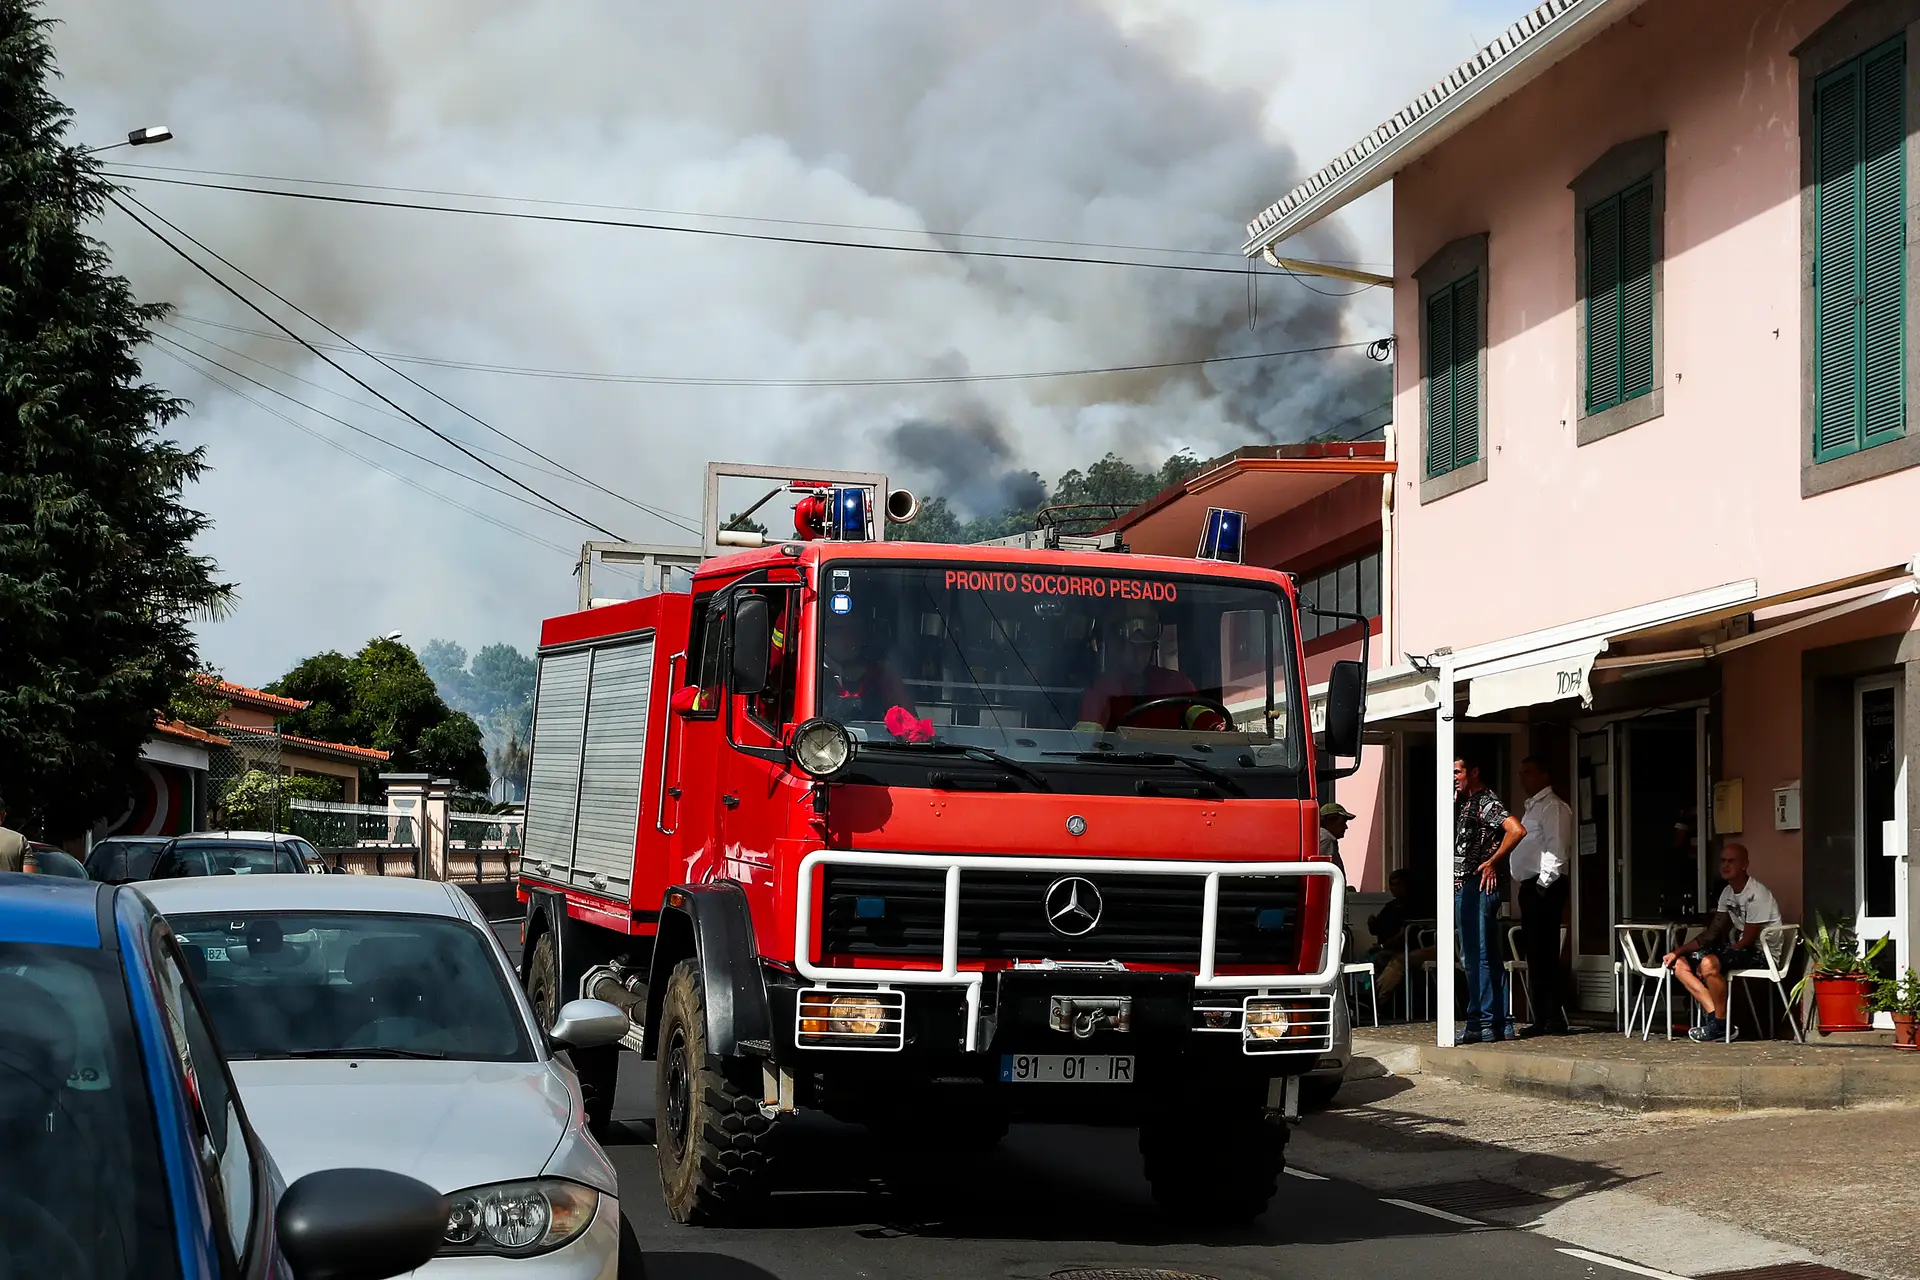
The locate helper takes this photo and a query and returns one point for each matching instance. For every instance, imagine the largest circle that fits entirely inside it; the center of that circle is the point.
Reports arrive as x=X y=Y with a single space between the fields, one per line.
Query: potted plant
x=1901 y=998
x=1840 y=976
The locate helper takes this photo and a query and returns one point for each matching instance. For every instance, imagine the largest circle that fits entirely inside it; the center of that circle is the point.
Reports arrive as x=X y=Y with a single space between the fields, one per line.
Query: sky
x=1159 y=126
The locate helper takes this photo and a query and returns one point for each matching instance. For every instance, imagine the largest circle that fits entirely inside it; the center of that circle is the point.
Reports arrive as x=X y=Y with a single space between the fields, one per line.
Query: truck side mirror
x=1346 y=707
x=752 y=639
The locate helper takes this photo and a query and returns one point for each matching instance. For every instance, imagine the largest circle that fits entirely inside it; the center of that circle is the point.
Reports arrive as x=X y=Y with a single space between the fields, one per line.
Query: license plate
x=1066 y=1068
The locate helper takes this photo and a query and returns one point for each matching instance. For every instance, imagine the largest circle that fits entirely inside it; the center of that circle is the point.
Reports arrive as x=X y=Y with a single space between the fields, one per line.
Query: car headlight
x=517 y=1219
x=821 y=747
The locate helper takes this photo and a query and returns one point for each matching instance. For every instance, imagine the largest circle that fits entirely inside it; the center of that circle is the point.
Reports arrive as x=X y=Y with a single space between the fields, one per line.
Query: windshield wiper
x=1225 y=780
x=986 y=755
x=366 y=1051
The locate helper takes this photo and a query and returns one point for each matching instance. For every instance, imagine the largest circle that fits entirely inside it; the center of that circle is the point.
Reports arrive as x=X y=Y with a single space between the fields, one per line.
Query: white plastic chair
x=1517 y=965
x=1777 y=945
x=1351 y=971
x=1657 y=983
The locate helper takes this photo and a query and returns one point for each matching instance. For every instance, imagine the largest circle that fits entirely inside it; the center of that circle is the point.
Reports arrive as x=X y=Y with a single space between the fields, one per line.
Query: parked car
x=378 y=1022
x=121 y=859
x=51 y=860
x=129 y=1152
x=218 y=853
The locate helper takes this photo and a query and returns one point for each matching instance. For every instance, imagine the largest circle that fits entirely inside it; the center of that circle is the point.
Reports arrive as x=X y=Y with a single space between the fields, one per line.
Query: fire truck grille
x=897 y=912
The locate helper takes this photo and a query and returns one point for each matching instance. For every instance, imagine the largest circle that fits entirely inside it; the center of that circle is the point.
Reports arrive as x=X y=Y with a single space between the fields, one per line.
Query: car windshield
x=1073 y=667
x=339 y=984
x=221 y=858
x=82 y=1191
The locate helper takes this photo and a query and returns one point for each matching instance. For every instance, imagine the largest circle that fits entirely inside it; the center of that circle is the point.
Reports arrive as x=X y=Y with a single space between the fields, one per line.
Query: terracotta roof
x=187 y=733
x=344 y=750
x=1542 y=36
x=241 y=696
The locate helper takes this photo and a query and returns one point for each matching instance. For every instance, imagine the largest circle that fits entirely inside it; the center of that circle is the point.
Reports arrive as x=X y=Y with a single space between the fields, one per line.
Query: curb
x=1637 y=1086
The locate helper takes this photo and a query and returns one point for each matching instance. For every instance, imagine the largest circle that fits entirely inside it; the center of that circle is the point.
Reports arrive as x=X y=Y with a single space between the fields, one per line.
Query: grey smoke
x=987 y=116
x=969 y=461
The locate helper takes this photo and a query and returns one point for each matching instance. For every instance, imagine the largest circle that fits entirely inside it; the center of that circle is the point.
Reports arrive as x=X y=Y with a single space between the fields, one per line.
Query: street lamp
x=394 y=636
x=137 y=138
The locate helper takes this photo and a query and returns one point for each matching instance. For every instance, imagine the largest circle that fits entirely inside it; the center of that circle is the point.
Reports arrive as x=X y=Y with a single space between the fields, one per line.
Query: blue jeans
x=1476 y=920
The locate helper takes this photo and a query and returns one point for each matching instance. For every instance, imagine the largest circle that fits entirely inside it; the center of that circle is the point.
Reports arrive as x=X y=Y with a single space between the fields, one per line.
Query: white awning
x=1562 y=672
x=1393 y=691
x=167 y=751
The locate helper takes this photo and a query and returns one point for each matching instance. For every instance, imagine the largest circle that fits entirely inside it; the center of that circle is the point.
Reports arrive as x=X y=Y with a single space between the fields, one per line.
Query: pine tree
x=98 y=583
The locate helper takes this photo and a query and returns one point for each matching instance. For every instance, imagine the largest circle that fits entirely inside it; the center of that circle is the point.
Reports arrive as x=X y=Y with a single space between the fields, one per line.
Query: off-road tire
x=709 y=1136
x=1216 y=1164
x=598 y=1068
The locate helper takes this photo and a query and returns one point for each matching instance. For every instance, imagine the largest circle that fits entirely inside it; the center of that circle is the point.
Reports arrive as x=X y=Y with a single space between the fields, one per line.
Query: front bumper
x=593 y=1255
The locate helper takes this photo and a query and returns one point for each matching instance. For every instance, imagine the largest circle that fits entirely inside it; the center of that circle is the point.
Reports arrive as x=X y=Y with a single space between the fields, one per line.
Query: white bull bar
x=955 y=865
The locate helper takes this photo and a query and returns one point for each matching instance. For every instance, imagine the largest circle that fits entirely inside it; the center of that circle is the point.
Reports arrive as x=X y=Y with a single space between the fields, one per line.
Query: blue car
x=128 y=1154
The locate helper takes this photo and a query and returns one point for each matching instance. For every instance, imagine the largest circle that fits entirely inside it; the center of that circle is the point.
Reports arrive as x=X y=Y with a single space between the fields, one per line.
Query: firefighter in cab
x=1134 y=677
x=858 y=684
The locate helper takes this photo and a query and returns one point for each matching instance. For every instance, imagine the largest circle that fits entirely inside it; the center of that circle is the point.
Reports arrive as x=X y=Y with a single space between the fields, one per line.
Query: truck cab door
x=697 y=741
x=757 y=791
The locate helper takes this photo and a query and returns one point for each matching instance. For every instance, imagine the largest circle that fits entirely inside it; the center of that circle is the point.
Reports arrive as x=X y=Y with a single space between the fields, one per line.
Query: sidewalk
x=1683 y=1193
x=1608 y=1069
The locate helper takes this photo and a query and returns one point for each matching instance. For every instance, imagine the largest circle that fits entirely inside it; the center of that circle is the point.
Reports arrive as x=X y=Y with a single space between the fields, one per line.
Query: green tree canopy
x=383 y=697
x=496 y=689
x=98 y=582
x=1112 y=480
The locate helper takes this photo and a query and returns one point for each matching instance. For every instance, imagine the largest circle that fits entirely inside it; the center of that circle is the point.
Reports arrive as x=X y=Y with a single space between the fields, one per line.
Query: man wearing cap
x=1133 y=678
x=1334 y=818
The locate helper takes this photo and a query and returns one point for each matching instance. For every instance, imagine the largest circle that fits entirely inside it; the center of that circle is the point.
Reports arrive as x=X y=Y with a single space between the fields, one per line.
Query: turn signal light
x=1288 y=1024
x=827 y=1019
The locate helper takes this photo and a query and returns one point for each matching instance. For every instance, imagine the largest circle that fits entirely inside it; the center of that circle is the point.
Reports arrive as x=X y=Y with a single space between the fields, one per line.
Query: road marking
x=1432 y=1212
x=1292 y=1172
x=1617 y=1264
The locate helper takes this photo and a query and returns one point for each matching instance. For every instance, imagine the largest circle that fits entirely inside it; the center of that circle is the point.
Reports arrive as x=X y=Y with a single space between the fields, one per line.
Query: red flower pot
x=1842 y=1004
x=1906 y=1031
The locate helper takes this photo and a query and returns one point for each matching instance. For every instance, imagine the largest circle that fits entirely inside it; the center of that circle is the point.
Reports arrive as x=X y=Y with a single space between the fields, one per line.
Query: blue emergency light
x=847 y=515
x=1222 y=537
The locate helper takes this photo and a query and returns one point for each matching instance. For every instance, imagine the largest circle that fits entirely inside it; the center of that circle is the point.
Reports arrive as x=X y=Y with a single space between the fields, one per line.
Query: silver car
x=376 y=1023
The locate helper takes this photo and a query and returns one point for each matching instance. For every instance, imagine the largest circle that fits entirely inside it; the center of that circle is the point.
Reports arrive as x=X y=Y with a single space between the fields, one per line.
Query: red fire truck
x=935 y=838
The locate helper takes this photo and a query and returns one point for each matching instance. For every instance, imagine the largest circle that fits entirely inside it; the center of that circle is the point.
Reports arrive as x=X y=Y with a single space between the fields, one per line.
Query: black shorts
x=1732 y=958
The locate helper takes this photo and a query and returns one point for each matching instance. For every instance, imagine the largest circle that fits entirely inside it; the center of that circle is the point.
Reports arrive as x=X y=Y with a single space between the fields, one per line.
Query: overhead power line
x=681 y=522
x=647 y=379
x=329 y=441
x=768 y=237
x=251 y=305
x=695 y=213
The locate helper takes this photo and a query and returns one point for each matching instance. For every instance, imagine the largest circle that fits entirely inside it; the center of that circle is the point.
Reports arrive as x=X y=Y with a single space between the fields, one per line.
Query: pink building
x=1655 y=512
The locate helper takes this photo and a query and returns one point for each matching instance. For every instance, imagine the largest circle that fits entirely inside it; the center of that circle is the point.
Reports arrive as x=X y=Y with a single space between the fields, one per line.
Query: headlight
x=821 y=747
x=517 y=1219
x=1271 y=1022
x=829 y=1019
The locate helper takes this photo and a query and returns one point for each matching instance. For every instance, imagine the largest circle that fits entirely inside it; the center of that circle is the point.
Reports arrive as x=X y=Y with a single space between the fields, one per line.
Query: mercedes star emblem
x=1073 y=906
x=1076 y=825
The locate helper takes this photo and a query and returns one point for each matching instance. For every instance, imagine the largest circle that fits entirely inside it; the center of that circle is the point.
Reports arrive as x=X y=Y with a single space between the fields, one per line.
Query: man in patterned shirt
x=1484 y=833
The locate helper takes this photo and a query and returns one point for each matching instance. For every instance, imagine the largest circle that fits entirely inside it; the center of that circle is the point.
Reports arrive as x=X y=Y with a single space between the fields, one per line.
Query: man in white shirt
x=1730 y=941
x=1541 y=862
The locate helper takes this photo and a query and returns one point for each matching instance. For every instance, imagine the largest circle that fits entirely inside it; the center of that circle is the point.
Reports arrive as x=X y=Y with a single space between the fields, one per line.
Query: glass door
x=1593 y=880
x=1880 y=869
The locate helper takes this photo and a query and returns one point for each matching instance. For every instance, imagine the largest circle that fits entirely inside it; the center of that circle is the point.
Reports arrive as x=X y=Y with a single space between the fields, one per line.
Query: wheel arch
x=712 y=926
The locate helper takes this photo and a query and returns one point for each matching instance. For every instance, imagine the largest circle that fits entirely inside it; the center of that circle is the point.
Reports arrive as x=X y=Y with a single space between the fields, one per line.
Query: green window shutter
x=1440 y=382
x=1603 y=305
x=1466 y=371
x=1859 y=256
x=1636 y=291
x=1883 y=247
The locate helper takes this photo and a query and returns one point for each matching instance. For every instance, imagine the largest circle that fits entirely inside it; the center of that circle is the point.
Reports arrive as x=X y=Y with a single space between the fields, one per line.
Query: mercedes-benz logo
x=1073 y=906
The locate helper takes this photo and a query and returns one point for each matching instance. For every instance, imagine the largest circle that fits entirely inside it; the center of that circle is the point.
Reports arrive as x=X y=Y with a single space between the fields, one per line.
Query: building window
x=1453 y=367
x=1353 y=587
x=1619 y=208
x=1620 y=297
x=1859 y=253
x=1453 y=376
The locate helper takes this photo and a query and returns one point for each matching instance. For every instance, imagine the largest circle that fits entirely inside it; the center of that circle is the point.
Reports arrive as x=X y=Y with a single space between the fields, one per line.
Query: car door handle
x=673 y=792
x=731 y=801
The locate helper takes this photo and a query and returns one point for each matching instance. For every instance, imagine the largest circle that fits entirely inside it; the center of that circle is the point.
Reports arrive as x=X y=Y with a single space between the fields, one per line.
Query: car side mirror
x=752 y=638
x=1346 y=708
x=359 y=1224
x=588 y=1024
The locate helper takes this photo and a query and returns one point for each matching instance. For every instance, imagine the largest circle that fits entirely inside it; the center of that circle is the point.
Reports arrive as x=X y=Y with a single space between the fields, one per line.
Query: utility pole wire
x=768 y=237
x=418 y=421
x=665 y=517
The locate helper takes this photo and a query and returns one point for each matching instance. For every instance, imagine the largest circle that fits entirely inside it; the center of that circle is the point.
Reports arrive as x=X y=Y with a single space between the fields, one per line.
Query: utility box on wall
x=1786 y=807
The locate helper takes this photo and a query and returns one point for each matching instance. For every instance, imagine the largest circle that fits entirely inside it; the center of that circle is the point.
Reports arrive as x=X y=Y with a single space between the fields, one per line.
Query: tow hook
x=1085 y=1015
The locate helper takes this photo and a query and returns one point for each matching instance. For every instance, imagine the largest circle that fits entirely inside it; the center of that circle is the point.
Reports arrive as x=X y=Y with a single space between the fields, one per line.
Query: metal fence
x=342 y=826
x=376 y=840
x=235 y=800
x=484 y=846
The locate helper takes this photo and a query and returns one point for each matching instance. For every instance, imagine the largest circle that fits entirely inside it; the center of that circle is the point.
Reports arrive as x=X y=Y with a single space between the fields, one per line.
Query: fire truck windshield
x=1066 y=670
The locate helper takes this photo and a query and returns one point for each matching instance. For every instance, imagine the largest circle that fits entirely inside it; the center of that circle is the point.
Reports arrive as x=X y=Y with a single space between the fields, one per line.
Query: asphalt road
x=1051 y=1199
